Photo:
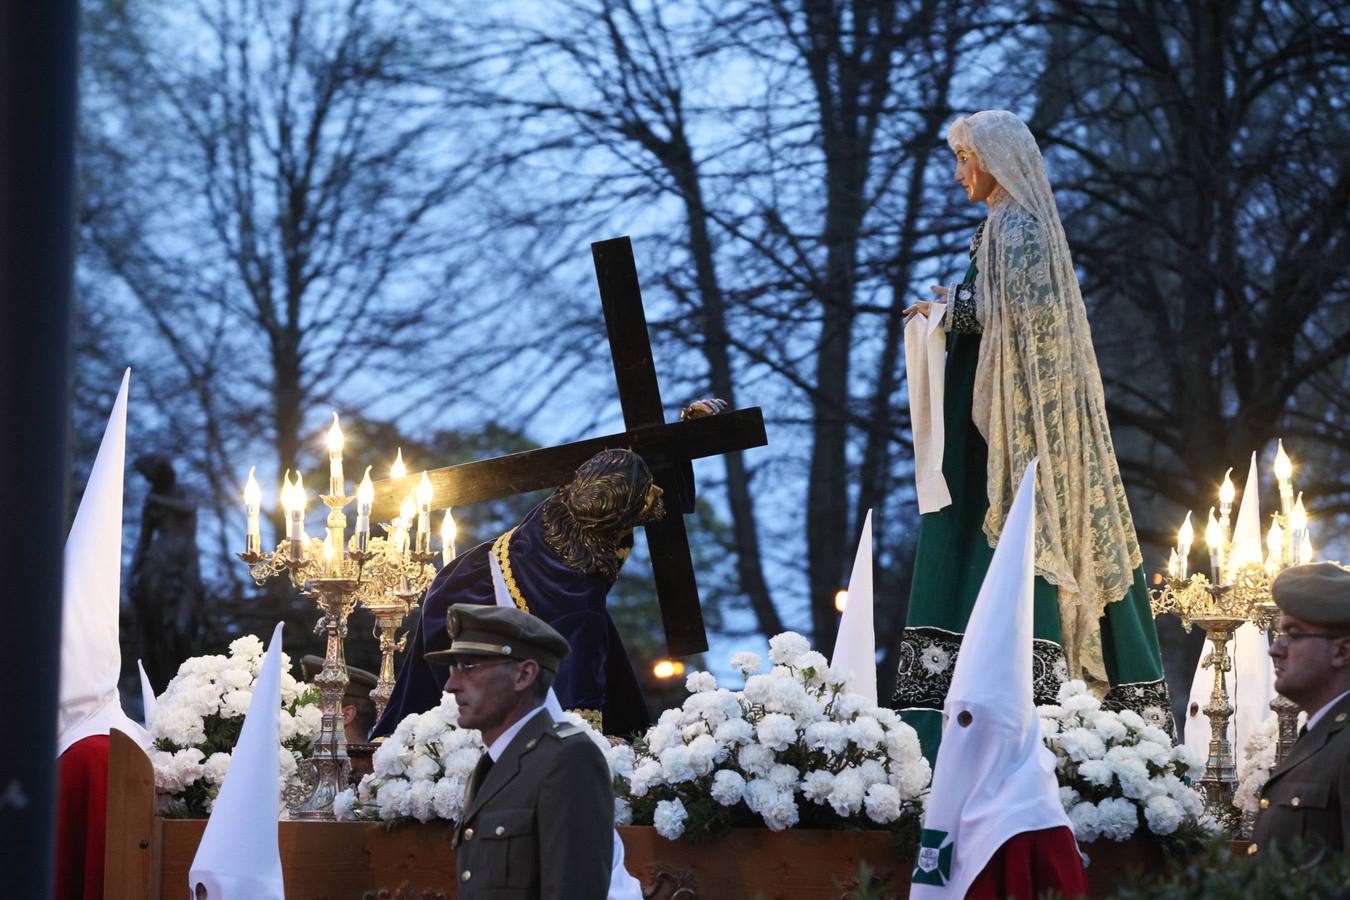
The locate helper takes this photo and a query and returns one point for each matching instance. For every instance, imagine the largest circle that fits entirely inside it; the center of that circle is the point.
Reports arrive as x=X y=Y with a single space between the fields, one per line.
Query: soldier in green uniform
x=1308 y=794
x=538 y=816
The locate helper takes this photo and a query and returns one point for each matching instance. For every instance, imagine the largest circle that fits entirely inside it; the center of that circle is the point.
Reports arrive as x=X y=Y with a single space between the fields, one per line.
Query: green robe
x=952 y=557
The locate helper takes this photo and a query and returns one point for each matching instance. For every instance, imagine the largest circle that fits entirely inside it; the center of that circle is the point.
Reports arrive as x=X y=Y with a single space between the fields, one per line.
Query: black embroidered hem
x=928 y=659
x=961 y=313
x=1149 y=699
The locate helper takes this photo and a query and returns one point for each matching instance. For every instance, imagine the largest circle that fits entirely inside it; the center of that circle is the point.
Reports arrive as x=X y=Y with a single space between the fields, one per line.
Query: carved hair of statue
x=157 y=469
x=586 y=521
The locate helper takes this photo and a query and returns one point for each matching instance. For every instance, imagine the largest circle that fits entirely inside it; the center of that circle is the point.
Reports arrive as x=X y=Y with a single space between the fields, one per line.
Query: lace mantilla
x=928 y=660
x=1038 y=391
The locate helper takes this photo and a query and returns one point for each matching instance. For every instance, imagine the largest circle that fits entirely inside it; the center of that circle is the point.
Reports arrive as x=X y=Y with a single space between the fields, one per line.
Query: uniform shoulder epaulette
x=565 y=729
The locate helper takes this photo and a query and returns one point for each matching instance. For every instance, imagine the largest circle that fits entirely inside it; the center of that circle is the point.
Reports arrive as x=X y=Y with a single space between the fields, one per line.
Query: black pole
x=38 y=79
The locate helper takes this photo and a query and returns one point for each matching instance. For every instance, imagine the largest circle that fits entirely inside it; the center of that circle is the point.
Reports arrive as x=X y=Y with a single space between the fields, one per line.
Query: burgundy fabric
x=1031 y=863
x=81 y=819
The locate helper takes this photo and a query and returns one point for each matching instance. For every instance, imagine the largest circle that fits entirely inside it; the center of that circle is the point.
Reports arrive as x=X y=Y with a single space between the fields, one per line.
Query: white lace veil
x=1038 y=391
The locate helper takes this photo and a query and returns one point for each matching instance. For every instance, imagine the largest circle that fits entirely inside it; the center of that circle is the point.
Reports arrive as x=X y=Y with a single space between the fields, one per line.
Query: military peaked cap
x=359 y=682
x=1317 y=593
x=478 y=630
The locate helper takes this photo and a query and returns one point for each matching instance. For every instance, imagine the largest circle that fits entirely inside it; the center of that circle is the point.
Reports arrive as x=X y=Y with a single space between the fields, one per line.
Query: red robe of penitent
x=1030 y=864
x=81 y=819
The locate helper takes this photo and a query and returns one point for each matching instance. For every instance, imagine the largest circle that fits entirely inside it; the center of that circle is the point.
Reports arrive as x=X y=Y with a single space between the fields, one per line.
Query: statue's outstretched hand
x=701 y=409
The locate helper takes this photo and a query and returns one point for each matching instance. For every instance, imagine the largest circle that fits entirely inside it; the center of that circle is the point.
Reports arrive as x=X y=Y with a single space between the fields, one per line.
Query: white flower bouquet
x=1115 y=766
x=422 y=769
x=791 y=749
x=197 y=722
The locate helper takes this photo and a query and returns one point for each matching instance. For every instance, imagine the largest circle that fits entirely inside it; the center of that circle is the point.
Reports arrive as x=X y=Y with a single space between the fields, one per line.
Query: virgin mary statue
x=1021 y=381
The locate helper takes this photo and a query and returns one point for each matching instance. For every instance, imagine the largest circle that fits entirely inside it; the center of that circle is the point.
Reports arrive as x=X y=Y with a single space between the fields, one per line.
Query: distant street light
x=668 y=668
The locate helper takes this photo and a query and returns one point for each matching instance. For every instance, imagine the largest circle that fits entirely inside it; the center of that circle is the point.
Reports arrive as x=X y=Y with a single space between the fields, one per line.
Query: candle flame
x=335 y=439
x=448 y=529
x=1284 y=468
x=1298 y=516
x=287 y=493
x=425 y=491
x=328 y=551
x=1213 y=533
x=1305 y=550
x=1275 y=538
x=300 y=499
x=407 y=509
x=668 y=668
x=1227 y=492
x=1186 y=534
x=252 y=493
x=365 y=494
x=398 y=469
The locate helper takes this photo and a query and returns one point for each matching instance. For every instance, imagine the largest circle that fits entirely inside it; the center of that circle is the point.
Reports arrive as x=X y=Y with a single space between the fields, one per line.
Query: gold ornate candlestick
x=394 y=583
x=1219 y=610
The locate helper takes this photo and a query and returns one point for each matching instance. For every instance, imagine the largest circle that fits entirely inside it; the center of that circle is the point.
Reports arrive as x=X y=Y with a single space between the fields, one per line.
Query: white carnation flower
x=911 y=777
x=698 y=682
x=394 y=799
x=1131 y=719
x=677 y=764
x=1153 y=752
x=1119 y=818
x=1072 y=688
x=1086 y=820
x=448 y=799
x=704 y=753
x=847 y=792
x=866 y=732
x=784 y=777
x=235 y=703
x=217 y=765
x=882 y=803
x=669 y=818
x=777 y=731
x=420 y=797
x=779 y=810
x=247 y=647
x=1081 y=704
x=344 y=805
x=1163 y=814
x=1079 y=744
x=623 y=812
x=734 y=731
x=644 y=776
x=755 y=759
x=424 y=767
x=728 y=787
x=1106 y=724
x=785 y=647
x=1096 y=772
x=1068 y=797
x=746 y=663
x=817 y=784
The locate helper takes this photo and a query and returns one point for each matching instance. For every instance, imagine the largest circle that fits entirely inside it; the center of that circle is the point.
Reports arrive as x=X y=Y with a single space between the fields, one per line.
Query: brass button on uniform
x=1295 y=802
x=532 y=742
x=1251 y=850
x=1265 y=803
x=468 y=832
x=466 y=876
x=501 y=830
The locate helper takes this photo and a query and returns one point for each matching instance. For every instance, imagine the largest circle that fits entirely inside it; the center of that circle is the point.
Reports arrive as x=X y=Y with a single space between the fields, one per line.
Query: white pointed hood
x=148 y=699
x=994 y=777
x=855 y=646
x=91 y=657
x=239 y=857
x=1247 y=544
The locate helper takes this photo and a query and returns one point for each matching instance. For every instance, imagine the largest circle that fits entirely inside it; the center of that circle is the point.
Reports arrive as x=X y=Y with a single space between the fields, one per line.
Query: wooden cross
x=664 y=446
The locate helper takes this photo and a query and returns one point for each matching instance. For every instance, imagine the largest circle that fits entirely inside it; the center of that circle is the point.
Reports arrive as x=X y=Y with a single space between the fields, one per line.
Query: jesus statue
x=1021 y=381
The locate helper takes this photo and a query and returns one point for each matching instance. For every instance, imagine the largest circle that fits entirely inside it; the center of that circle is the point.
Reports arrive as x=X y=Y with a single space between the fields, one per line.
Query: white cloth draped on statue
x=925 y=369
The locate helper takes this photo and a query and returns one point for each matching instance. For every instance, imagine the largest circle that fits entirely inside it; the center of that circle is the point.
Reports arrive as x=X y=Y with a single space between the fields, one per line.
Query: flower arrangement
x=1258 y=758
x=1113 y=766
x=422 y=769
x=198 y=719
x=792 y=748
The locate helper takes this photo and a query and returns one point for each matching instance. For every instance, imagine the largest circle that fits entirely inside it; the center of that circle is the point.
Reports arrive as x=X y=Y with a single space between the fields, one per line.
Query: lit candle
x=1214 y=541
x=398 y=469
x=1274 y=546
x=286 y=501
x=328 y=555
x=1227 y=493
x=336 y=487
x=1298 y=528
x=407 y=509
x=424 y=494
x=1284 y=473
x=297 y=513
x=365 y=498
x=1174 y=564
x=447 y=538
x=1305 y=549
x=252 y=505
x=1185 y=537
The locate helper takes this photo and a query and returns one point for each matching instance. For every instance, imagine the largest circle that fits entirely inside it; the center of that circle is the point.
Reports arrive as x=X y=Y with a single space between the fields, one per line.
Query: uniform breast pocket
x=1310 y=801
x=511 y=838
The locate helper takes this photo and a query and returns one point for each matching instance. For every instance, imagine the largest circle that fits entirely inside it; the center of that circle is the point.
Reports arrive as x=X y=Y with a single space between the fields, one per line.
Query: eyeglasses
x=1278 y=636
x=464 y=668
